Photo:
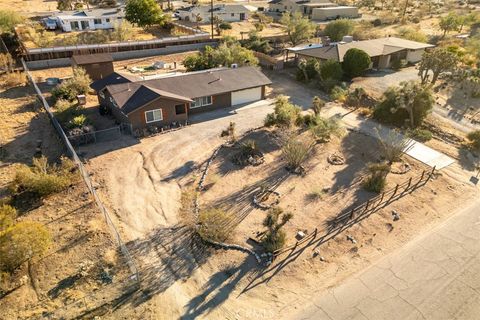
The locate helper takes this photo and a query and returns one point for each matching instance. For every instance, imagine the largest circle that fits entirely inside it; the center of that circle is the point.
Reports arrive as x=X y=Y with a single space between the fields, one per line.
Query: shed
x=97 y=66
x=331 y=13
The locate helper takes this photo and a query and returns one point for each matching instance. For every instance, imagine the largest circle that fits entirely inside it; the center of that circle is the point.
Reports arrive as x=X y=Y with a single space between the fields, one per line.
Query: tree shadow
x=181 y=171
x=164 y=257
x=217 y=290
x=240 y=203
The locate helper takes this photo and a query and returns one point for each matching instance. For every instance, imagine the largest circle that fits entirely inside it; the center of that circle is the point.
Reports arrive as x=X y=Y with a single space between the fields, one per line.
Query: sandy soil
x=79 y=232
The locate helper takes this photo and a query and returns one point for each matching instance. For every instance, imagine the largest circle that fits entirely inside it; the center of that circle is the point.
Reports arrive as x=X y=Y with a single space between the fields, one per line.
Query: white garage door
x=247 y=95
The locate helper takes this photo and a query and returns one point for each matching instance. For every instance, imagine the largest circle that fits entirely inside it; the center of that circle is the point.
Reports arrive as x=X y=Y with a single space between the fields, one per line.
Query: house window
x=233 y=14
x=101 y=93
x=97 y=21
x=202 y=101
x=153 y=115
x=107 y=20
x=74 y=25
x=180 y=109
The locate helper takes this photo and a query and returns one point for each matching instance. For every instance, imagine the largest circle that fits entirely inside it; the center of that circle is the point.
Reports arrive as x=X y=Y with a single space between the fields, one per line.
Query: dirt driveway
x=375 y=83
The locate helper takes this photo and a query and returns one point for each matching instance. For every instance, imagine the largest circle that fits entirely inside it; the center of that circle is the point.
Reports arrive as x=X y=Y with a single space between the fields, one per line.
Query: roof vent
x=347 y=39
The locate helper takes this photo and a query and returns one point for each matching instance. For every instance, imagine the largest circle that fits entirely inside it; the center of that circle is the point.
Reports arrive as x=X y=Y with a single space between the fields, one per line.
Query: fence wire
x=85 y=175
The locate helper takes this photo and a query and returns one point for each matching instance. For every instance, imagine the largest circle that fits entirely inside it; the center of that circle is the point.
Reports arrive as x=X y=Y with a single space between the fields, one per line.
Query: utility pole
x=404 y=10
x=211 y=16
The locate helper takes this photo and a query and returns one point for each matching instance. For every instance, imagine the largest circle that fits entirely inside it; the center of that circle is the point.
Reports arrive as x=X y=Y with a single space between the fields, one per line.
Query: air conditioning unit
x=234 y=66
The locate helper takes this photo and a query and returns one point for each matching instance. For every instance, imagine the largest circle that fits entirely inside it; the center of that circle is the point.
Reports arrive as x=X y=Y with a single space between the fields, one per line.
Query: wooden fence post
x=409 y=183
x=352 y=214
x=367 y=204
x=431 y=174
x=394 y=192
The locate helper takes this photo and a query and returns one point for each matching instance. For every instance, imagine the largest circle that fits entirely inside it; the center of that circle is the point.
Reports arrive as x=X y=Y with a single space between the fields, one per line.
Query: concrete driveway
x=436 y=276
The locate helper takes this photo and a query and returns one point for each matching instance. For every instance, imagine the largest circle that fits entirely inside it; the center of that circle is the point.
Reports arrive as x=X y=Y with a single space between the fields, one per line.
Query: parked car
x=49 y=23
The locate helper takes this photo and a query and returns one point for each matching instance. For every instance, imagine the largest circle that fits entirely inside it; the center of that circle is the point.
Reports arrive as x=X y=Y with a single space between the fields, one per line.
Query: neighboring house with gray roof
x=304 y=6
x=170 y=99
x=382 y=51
x=88 y=19
x=226 y=12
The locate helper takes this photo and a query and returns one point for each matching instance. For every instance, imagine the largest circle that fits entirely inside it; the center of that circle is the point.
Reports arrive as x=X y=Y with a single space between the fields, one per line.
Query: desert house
x=226 y=12
x=382 y=51
x=97 y=66
x=333 y=13
x=172 y=98
x=88 y=19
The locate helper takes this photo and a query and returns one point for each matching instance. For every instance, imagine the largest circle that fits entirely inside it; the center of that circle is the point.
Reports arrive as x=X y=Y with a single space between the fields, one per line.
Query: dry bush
x=44 y=179
x=7 y=217
x=324 y=128
x=14 y=79
x=393 y=145
x=376 y=180
x=275 y=237
x=22 y=242
x=296 y=152
x=213 y=224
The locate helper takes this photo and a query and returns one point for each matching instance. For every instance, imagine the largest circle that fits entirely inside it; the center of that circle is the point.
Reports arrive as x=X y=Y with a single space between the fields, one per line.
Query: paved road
x=436 y=276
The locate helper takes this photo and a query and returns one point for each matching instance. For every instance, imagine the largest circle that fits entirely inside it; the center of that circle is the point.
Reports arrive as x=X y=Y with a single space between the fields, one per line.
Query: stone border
x=200 y=187
x=257 y=203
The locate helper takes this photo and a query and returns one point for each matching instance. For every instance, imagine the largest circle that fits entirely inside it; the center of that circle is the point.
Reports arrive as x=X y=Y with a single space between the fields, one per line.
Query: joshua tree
x=317 y=105
x=274 y=221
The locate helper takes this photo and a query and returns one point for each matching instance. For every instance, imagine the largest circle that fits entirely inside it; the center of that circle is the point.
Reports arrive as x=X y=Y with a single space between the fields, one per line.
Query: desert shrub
x=412 y=34
x=376 y=181
x=78 y=121
x=355 y=97
x=70 y=88
x=230 y=132
x=14 y=79
x=307 y=69
x=324 y=128
x=296 y=152
x=337 y=29
x=474 y=140
x=7 y=217
x=355 y=62
x=364 y=112
x=316 y=194
x=65 y=111
x=392 y=145
x=421 y=135
x=377 y=22
x=22 y=242
x=8 y=20
x=275 y=237
x=285 y=114
x=331 y=69
x=317 y=105
x=328 y=85
x=339 y=94
x=213 y=224
x=44 y=179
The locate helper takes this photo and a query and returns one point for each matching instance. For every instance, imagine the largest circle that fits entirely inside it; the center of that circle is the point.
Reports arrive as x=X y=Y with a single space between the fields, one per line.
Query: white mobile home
x=92 y=19
x=226 y=12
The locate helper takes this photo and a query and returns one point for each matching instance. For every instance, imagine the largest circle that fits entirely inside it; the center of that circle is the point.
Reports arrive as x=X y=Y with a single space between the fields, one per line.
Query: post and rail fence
x=369 y=206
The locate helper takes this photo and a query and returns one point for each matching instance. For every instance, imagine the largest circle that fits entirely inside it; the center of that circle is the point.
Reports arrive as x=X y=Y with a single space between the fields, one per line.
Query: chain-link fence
x=85 y=175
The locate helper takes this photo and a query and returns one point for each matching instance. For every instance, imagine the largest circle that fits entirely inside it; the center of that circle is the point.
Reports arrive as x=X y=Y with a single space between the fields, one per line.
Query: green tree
x=144 y=13
x=76 y=85
x=474 y=140
x=122 y=31
x=262 y=20
x=22 y=242
x=337 y=29
x=410 y=102
x=8 y=20
x=331 y=69
x=225 y=26
x=216 y=22
x=449 y=23
x=355 y=62
x=436 y=62
x=256 y=43
x=308 y=69
x=298 y=28
x=275 y=237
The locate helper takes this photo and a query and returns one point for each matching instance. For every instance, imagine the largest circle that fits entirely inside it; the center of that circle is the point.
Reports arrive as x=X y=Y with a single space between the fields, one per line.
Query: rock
x=300 y=235
x=395 y=215
x=316 y=253
x=322 y=259
x=350 y=238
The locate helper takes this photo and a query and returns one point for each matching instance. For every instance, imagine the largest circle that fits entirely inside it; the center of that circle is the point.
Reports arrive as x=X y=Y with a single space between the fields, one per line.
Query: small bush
x=331 y=70
x=78 y=121
x=22 y=242
x=474 y=140
x=285 y=113
x=66 y=111
x=339 y=94
x=296 y=152
x=377 y=22
x=393 y=145
x=70 y=88
x=324 y=128
x=328 y=85
x=7 y=217
x=421 y=135
x=376 y=181
x=44 y=179
x=275 y=237
x=316 y=194
x=213 y=225
x=14 y=79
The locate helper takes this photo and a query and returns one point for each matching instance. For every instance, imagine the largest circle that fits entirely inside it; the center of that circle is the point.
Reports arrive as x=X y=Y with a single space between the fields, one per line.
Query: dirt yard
x=80 y=235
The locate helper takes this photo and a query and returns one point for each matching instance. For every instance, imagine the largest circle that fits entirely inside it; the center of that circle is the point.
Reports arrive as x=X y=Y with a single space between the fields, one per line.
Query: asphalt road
x=436 y=276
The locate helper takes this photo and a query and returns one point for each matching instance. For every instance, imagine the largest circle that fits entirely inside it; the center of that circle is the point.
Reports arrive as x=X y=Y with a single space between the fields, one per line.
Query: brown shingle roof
x=92 y=58
x=113 y=78
x=130 y=96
